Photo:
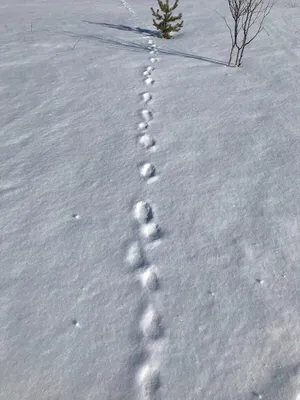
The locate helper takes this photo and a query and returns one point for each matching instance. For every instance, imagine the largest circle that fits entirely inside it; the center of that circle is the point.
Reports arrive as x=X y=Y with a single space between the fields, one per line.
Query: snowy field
x=150 y=204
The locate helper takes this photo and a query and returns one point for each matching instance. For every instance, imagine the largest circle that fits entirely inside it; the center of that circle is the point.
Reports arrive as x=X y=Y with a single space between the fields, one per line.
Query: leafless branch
x=247 y=15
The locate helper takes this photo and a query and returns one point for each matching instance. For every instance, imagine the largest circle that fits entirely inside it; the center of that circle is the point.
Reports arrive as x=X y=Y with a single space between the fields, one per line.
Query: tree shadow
x=173 y=52
x=137 y=29
x=116 y=42
x=140 y=47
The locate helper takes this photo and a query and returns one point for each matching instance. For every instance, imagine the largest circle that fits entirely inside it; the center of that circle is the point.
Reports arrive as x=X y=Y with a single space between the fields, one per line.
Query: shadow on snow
x=126 y=28
x=139 y=47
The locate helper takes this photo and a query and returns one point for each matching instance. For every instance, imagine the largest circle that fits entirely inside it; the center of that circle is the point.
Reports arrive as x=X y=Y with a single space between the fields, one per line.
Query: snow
x=149 y=279
x=147 y=141
x=146 y=97
x=147 y=171
x=112 y=288
x=143 y=212
x=150 y=231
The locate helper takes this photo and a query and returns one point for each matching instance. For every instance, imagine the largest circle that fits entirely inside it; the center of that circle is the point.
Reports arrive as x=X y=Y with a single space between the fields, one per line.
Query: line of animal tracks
x=148 y=235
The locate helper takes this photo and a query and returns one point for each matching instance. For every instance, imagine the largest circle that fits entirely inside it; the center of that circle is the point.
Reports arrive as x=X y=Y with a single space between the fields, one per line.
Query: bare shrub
x=248 y=18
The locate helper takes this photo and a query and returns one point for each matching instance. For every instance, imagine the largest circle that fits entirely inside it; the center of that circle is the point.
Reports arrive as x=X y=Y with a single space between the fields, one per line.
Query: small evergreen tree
x=164 y=20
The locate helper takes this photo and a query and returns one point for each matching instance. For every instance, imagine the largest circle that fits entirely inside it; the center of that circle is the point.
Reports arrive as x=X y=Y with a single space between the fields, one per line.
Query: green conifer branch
x=164 y=18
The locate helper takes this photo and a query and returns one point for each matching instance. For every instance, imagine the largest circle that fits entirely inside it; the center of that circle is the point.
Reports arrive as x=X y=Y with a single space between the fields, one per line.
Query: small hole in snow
x=76 y=323
x=261 y=281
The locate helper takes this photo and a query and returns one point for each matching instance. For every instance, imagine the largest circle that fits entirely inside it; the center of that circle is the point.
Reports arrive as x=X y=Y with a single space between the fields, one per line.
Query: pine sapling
x=164 y=18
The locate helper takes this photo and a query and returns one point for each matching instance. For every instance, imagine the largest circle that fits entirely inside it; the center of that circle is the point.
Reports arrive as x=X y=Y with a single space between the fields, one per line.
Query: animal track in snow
x=142 y=212
x=149 y=279
x=148 y=71
x=129 y=8
x=152 y=47
x=147 y=115
x=151 y=324
x=147 y=141
x=134 y=256
x=147 y=171
x=150 y=231
x=149 y=81
x=143 y=126
x=149 y=382
x=146 y=97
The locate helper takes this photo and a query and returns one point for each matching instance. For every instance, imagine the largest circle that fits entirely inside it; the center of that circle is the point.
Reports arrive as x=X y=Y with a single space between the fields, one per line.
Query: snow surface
x=113 y=288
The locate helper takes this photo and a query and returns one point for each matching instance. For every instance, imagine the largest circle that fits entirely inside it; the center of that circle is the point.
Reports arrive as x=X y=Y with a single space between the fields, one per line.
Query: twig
x=72 y=48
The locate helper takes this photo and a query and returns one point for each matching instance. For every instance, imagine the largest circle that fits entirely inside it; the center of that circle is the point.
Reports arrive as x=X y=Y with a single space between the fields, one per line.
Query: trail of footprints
x=150 y=324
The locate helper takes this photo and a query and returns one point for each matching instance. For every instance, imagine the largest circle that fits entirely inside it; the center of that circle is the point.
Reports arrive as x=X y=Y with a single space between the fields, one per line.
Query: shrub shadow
x=143 y=47
x=120 y=27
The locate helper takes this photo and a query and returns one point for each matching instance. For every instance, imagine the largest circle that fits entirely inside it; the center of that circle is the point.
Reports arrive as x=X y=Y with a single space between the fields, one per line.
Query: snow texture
x=112 y=288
